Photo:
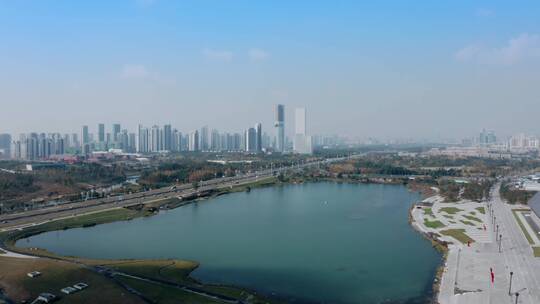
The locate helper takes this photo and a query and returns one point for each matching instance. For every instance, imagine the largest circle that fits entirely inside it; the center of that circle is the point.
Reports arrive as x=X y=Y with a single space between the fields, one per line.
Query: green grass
x=448 y=216
x=170 y=270
x=458 y=234
x=55 y=276
x=522 y=226
x=87 y=220
x=536 y=251
x=467 y=223
x=481 y=210
x=433 y=224
x=450 y=210
x=472 y=218
x=165 y=294
x=428 y=211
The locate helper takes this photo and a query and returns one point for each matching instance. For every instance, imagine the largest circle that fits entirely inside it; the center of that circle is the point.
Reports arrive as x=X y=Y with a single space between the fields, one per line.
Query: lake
x=311 y=243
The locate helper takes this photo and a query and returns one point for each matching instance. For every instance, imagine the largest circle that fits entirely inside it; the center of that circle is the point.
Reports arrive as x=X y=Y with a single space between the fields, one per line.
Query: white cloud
x=220 y=55
x=520 y=48
x=485 y=12
x=134 y=71
x=258 y=55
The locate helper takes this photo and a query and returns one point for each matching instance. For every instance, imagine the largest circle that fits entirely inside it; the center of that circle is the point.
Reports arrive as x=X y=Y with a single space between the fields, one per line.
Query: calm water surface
x=317 y=242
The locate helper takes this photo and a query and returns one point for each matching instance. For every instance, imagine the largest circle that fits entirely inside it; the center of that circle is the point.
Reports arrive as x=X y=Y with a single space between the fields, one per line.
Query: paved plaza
x=474 y=254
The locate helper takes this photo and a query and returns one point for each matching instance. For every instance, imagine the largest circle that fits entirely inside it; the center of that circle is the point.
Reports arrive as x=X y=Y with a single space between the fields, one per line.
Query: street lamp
x=510 y=287
x=497 y=233
x=517 y=296
x=500 y=242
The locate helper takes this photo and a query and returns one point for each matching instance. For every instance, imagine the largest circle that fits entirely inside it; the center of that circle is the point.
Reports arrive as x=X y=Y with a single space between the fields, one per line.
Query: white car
x=80 y=286
x=33 y=274
x=69 y=290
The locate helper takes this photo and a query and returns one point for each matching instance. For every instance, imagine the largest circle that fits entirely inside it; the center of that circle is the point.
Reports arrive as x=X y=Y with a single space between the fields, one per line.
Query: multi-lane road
x=38 y=216
x=517 y=254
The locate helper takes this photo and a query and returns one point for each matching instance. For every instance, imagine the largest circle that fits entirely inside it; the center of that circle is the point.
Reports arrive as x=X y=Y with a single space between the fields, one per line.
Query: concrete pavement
x=467 y=278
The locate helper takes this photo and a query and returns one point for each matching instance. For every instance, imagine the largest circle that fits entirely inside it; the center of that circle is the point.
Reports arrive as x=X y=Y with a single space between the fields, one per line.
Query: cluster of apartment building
x=166 y=138
x=155 y=139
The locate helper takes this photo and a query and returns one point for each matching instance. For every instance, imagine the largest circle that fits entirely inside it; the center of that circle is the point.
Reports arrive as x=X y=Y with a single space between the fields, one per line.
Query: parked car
x=69 y=290
x=80 y=286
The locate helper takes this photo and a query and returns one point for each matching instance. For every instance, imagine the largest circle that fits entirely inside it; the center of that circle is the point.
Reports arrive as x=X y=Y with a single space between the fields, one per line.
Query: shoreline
x=10 y=242
x=437 y=244
x=8 y=239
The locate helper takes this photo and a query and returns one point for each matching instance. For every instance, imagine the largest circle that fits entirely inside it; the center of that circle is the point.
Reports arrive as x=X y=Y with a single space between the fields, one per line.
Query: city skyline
x=166 y=62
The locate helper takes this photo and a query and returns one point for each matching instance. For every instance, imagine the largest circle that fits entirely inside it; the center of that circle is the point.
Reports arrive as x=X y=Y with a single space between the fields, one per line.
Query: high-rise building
x=251 y=140
x=279 y=124
x=115 y=132
x=194 y=141
x=156 y=143
x=300 y=121
x=215 y=143
x=132 y=146
x=258 y=137
x=143 y=143
x=487 y=138
x=203 y=139
x=101 y=132
x=302 y=142
x=85 y=137
x=167 y=137
x=5 y=145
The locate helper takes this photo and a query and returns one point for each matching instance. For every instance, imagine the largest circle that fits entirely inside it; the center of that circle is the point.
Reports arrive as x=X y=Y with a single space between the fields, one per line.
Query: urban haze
x=252 y=152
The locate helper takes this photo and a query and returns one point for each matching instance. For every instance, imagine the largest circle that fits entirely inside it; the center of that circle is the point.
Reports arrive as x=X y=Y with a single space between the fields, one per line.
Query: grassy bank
x=61 y=271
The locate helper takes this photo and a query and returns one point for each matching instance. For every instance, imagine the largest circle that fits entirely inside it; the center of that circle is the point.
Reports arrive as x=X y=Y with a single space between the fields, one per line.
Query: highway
x=39 y=216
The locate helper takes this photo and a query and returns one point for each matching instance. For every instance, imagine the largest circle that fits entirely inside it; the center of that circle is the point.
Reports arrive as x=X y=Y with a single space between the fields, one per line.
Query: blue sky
x=415 y=69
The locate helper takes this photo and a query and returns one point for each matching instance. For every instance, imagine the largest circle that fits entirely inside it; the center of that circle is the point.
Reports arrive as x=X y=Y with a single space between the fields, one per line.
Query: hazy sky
x=422 y=69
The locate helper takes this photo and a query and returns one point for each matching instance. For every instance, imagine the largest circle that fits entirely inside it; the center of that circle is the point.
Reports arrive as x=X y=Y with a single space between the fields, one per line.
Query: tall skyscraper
x=143 y=140
x=258 y=138
x=167 y=137
x=101 y=132
x=203 y=139
x=156 y=143
x=5 y=146
x=279 y=124
x=302 y=142
x=85 y=137
x=251 y=140
x=194 y=141
x=115 y=132
x=300 y=121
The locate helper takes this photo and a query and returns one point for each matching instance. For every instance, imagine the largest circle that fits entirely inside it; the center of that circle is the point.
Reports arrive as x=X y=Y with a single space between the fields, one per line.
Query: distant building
x=258 y=137
x=115 y=132
x=5 y=146
x=101 y=132
x=194 y=141
x=279 y=124
x=203 y=139
x=143 y=144
x=487 y=138
x=302 y=142
x=85 y=137
x=167 y=137
x=251 y=140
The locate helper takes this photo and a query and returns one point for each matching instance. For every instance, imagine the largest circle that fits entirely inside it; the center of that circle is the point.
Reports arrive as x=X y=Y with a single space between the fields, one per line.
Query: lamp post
x=500 y=242
x=497 y=233
x=510 y=287
x=517 y=296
